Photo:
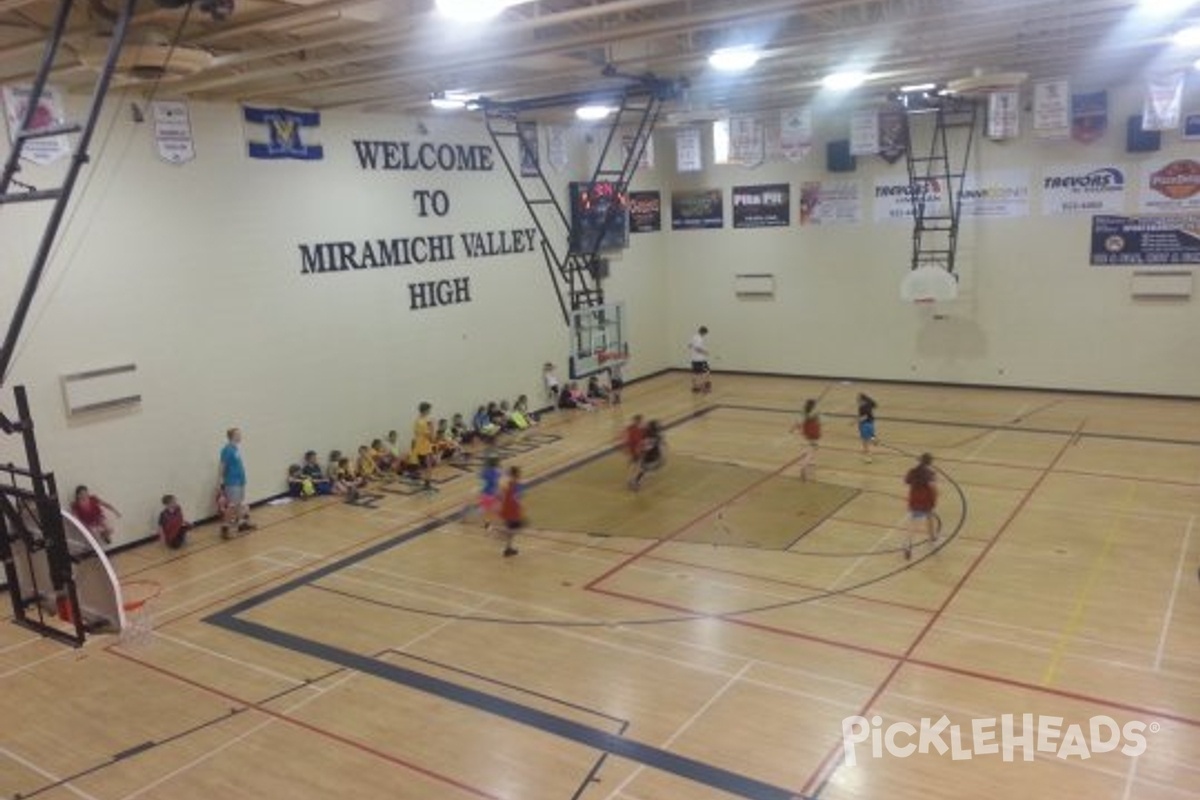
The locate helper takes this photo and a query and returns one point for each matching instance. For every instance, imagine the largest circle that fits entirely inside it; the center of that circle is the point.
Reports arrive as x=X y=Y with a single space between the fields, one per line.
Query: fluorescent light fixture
x=734 y=59
x=473 y=10
x=918 y=87
x=1187 y=37
x=451 y=101
x=1196 y=65
x=593 y=113
x=844 y=81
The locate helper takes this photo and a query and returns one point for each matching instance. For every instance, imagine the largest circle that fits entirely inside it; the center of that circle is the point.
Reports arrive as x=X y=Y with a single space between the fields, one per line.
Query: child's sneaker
x=510 y=551
x=224 y=531
x=247 y=526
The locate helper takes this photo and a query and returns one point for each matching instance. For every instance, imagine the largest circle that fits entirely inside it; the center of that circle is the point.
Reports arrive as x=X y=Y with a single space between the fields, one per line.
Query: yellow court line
x=1081 y=599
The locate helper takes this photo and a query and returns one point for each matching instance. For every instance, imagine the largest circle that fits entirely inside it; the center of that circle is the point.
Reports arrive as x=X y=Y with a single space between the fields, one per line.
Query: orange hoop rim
x=151 y=588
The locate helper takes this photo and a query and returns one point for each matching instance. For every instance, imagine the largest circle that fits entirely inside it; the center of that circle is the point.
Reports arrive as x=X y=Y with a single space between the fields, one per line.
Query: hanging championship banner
x=893 y=135
x=796 y=133
x=831 y=203
x=1084 y=189
x=1052 y=109
x=557 y=155
x=647 y=158
x=687 y=150
x=1004 y=114
x=864 y=133
x=287 y=133
x=1191 y=127
x=527 y=136
x=1164 y=101
x=173 y=131
x=47 y=114
x=747 y=141
x=1089 y=116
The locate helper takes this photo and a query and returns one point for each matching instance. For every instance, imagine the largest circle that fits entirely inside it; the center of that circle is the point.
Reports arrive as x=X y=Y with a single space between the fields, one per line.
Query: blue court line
x=586 y=735
x=595 y=712
x=562 y=727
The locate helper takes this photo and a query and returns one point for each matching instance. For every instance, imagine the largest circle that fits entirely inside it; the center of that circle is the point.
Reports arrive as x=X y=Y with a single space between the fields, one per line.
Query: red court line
x=700 y=615
x=998 y=679
x=797 y=584
x=660 y=542
x=823 y=770
x=337 y=737
x=724 y=571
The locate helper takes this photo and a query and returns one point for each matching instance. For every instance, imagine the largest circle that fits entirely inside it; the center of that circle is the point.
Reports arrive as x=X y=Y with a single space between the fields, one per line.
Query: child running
x=651 y=453
x=89 y=509
x=810 y=427
x=489 y=490
x=633 y=445
x=511 y=511
x=866 y=425
x=922 y=498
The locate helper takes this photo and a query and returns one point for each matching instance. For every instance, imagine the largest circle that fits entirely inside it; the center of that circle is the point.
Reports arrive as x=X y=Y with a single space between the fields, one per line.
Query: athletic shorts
x=489 y=503
x=617 y=384
x=235 y=495
x=699 y=367
x=866 y=430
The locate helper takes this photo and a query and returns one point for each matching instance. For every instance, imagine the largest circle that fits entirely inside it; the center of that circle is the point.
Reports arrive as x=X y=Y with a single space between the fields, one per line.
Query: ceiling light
x=473 y=10
x=450 y=101
x=918 y=87
x=1187 y=37
x=734 y=59
x=1196 y=65
x=593 y=113
x=844 y=81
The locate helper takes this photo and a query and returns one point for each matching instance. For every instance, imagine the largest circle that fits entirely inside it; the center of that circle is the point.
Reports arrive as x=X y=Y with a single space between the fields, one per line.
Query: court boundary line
x=227 y=618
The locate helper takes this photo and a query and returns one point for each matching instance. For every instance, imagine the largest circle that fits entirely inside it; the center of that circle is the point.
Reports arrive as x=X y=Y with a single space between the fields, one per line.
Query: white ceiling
x=391 y=54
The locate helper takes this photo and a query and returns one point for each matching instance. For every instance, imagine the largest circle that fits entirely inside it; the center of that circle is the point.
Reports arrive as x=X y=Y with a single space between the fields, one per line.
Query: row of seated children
x=384 y=458
x=596 y=394
x=569 y=395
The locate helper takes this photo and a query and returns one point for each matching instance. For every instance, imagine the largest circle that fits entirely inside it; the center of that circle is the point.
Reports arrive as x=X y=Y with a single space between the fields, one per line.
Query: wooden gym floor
x=388 y=650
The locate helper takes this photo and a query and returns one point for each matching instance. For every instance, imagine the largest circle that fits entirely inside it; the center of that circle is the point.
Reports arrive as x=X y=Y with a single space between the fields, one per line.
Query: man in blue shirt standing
x=232 y=478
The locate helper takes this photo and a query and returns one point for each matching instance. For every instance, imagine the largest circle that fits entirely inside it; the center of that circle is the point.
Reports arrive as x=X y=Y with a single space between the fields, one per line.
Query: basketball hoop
x=137 y=627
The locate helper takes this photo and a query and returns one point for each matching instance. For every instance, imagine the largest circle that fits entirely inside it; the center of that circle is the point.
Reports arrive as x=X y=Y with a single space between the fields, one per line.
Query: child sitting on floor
x=312 y=470
x=365 y=467
x=172 y=528
x=299 y=484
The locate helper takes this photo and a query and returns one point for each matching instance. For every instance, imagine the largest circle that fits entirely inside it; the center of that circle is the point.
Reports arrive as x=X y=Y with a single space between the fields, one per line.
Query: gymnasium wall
x=1032 y=311
x=194 y=273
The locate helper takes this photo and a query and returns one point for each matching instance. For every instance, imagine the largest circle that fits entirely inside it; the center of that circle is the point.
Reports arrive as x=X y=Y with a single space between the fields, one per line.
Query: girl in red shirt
x=810 y=426
x=89 y=509
x=922 y=498
x=511 y=511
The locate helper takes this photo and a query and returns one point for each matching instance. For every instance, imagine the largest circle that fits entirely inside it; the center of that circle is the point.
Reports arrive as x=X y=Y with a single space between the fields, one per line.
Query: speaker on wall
x=838 y=158
x=1138 y=140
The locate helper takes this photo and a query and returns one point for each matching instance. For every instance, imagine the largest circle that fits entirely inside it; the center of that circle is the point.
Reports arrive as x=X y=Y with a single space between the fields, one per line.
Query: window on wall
x=721 y=141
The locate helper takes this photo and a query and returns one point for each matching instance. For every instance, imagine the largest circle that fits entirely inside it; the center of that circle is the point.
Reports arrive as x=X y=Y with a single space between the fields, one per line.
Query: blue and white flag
x=286 y=133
